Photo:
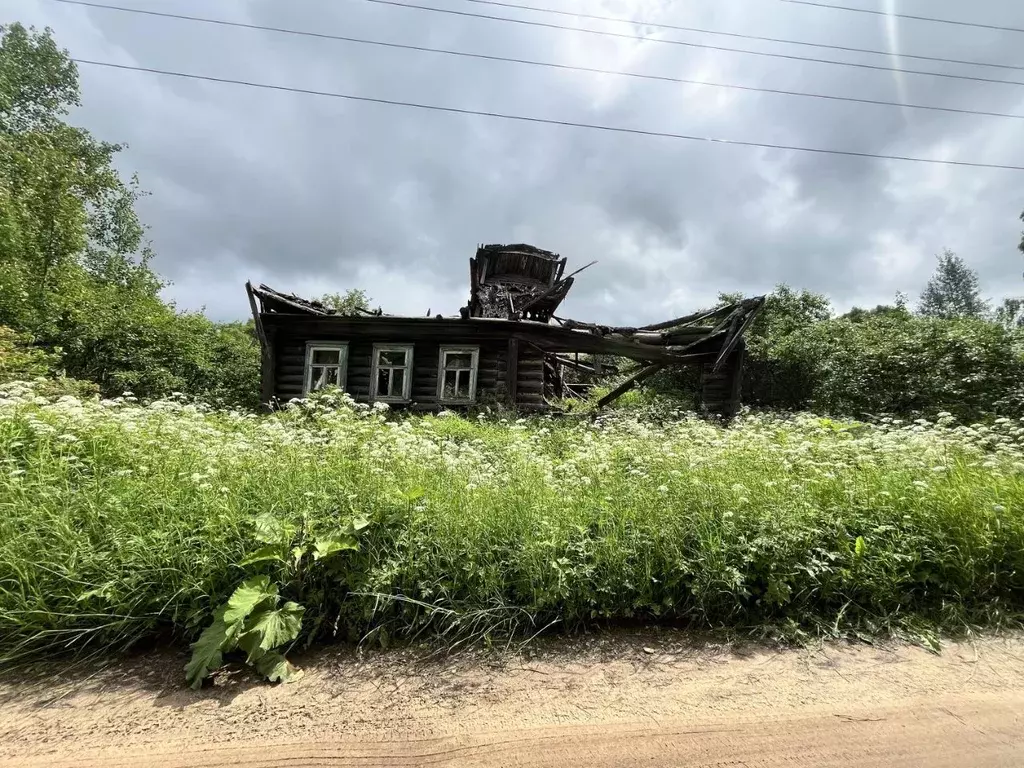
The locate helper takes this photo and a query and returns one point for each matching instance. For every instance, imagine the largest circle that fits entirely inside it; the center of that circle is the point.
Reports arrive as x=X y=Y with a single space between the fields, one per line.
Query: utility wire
x=546 y=121
x=906 y=16
x=548 y=64
x=658 y=25
x=625 y=36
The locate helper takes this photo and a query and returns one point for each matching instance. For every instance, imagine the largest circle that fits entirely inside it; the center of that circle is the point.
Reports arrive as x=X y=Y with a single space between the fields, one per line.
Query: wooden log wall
x=290 y=355
x=720 y=392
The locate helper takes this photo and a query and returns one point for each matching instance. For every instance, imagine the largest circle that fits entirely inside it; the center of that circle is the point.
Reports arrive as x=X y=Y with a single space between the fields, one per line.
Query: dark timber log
x=629 y=383
x=512 y=371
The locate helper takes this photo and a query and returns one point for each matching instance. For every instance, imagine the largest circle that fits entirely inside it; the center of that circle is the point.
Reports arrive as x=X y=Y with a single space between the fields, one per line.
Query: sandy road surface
x=614 y=700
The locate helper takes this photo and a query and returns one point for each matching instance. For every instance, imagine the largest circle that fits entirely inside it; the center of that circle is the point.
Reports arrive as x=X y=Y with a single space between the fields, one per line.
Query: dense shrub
x=891 y=364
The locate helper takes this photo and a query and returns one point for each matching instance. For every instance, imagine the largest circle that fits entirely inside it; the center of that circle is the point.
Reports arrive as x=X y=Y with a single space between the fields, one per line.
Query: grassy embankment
x=120 y=522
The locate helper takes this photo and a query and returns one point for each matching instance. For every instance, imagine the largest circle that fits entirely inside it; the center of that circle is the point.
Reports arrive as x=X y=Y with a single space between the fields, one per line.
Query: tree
x=64 y=211
x=348 y=303
x=785 y=311
x=953 y=291
x=77 y=280
x=1010 y=314
x=897 y=309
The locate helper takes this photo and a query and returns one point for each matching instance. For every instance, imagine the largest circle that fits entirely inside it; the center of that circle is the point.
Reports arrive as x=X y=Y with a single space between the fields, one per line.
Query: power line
x=548 y=64
x=678 y=28
x=546 y=121
x=906 y=16
x=625 y=36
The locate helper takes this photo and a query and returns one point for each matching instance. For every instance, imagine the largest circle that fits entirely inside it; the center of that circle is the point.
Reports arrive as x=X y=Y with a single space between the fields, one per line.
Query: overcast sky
x=313 y=194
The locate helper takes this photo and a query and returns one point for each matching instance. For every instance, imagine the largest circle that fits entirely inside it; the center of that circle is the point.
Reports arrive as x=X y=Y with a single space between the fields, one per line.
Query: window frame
x=406 y=395
x=474 y=368
x=324 y=346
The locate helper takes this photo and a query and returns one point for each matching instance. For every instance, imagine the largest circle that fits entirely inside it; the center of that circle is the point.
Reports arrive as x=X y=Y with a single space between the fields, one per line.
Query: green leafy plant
x=253 y=620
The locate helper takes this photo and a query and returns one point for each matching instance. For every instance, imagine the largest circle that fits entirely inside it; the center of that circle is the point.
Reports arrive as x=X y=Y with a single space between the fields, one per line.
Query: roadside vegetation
x=122 y=522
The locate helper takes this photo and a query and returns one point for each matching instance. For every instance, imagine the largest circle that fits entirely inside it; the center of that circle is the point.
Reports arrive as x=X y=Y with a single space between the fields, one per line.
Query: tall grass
x=121 y=522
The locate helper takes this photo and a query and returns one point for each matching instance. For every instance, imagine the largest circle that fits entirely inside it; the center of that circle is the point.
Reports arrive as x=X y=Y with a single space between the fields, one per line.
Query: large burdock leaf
x=276 y=668
x=273 y=530
x=207 y=651
x=262 y=555
x=269 y=628
x=249 y=594
x=337 y=542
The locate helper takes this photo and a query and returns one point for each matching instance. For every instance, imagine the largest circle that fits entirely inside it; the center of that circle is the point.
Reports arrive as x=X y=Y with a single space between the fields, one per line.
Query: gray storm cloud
x=315 y=194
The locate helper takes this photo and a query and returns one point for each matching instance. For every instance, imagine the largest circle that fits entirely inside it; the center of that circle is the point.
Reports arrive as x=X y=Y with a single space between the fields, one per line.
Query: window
x=326 y=362
x=391 y=374
x=456 y=377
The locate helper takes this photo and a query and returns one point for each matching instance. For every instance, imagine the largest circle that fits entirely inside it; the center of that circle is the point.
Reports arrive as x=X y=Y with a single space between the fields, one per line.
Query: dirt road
x=615 y=700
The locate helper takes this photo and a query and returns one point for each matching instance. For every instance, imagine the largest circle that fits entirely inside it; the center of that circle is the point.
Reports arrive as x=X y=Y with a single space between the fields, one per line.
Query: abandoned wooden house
x=507 y=344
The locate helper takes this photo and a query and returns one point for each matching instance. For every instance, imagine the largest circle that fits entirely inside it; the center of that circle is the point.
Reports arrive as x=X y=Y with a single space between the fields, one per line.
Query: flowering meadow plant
x=122 y=521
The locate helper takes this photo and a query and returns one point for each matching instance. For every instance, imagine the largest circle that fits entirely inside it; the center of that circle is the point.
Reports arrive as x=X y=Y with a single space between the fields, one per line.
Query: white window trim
x=474 y=367
x=406 y=395
x=324 y=346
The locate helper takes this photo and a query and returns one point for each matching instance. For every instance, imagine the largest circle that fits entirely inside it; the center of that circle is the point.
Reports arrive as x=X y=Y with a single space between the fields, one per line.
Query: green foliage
x=121 y=522
x=19 y=360
x=77 y=275
x=896 y=364
x=953 y=291
x=785 y=311
x=348 y=303
x=1010 y=314
x=251 y=620
x=884 y=360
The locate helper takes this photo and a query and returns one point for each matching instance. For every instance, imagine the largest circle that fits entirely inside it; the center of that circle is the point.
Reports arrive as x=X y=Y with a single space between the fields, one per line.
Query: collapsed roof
x=522 y=286
x=515 y=282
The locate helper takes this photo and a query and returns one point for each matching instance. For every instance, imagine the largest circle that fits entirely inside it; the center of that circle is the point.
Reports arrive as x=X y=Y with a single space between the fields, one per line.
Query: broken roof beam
x=629 y=383
x=736 y=335
x=268 y=297
x=696 y=317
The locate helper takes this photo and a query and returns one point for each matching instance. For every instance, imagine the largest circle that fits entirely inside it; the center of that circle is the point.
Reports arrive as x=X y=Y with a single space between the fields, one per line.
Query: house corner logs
x=512 y=372
x=721 y=391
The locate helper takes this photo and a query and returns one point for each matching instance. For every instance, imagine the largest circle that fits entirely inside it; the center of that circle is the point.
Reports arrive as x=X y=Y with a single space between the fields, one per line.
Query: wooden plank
x=696 y=317
x=737 y=335
x=511 y=372
x=268 y=372
x=736 y=391
x=629 y=383
x=530 y=386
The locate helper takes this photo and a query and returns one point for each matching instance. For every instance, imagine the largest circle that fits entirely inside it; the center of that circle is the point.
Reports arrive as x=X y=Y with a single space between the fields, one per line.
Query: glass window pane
x=391 y=357
x=326 y=356
x=456 y=385
x=458 y=360
x=384 y=382
x=462 y=389
x=324 y=375
x=397 y=381
x=450 y=387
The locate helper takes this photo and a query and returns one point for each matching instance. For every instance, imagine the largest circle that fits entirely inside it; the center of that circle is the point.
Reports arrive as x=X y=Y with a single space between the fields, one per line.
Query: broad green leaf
x=269 y=628
x=270 y=529
x=359 y=523
x=207 y=651
x=276 y=668
x=249 y=594
x=336 y=542
x=269 y=552
x=414 y=494
x=859 y=546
